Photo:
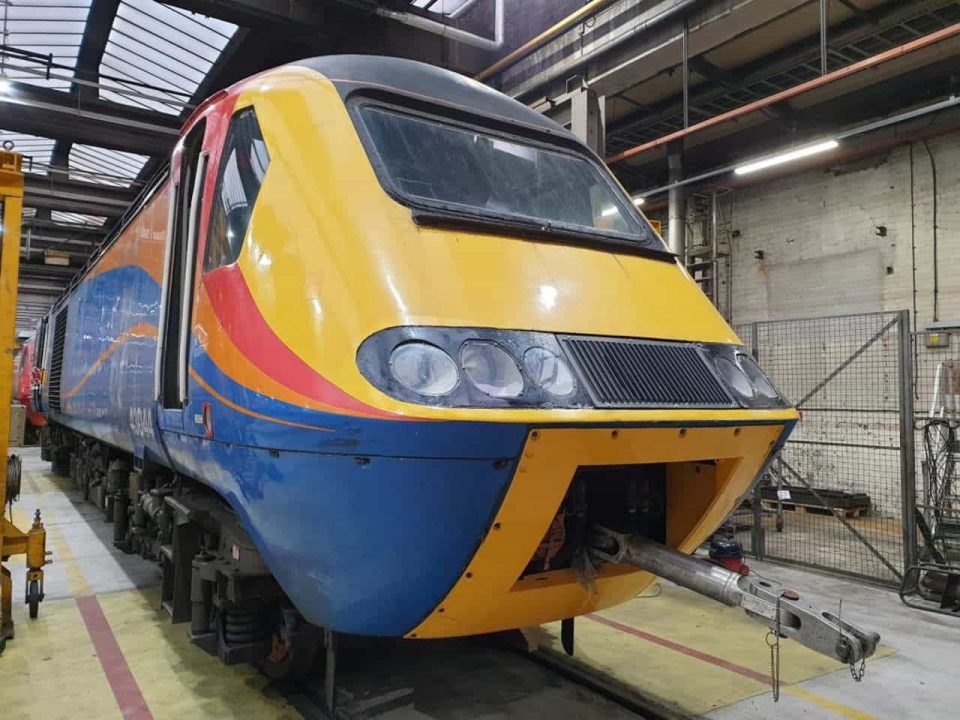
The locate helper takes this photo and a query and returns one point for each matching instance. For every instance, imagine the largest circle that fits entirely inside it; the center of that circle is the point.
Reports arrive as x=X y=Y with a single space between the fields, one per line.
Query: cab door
x=188 y=172
x=37 y=372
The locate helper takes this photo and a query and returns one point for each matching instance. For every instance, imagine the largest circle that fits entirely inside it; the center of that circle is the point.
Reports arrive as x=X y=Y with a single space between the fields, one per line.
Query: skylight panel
x=158 y=55
x=42 y=35
x=109 y=167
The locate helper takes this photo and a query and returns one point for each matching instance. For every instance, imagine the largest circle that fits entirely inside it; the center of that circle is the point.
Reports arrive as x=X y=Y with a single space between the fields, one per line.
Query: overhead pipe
x=865 y=64
x=444 y=30
x=681 y=7
x=591 y=8
x=677 y=203
x=839 y=157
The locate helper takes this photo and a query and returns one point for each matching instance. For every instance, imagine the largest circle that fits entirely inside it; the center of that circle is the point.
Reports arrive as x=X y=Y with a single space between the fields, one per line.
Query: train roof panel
x=350 y=73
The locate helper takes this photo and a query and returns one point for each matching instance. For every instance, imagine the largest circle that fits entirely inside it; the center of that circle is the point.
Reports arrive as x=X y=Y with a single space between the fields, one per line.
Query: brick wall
x=823 y=255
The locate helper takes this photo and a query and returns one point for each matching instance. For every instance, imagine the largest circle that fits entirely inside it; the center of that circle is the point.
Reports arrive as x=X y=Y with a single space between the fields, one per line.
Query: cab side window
x=242 y=168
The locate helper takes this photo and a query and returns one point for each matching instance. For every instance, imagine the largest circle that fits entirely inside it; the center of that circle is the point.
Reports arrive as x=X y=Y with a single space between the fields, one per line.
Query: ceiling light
x=786 y=157
x=638 y=201
x=56 y=257
x=5 y=86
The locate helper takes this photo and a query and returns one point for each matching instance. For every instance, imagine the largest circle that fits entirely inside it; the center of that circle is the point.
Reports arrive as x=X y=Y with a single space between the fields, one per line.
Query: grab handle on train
x=807 y=624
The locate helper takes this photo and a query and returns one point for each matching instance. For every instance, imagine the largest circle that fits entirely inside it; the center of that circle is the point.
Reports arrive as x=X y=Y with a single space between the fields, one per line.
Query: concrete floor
x=102 y=649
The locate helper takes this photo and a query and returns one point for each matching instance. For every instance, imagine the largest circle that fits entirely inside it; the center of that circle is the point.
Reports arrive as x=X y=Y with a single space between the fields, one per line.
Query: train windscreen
x=462 y=170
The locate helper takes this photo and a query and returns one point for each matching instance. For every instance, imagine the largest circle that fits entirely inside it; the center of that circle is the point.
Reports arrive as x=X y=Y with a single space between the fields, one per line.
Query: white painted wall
x=822 y=255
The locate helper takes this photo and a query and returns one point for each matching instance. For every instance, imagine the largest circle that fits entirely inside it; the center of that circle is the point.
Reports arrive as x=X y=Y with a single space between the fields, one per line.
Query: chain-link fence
x=836 y=497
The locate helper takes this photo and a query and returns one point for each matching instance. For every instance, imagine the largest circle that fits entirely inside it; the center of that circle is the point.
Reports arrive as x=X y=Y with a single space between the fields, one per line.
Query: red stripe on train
x=241 y=319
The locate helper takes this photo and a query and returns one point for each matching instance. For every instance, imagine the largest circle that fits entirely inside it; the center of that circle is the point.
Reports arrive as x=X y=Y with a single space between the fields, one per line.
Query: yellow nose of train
x=498 y=349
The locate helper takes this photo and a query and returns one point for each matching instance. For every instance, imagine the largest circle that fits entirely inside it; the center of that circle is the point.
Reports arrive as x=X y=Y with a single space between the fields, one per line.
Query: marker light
x=786 y=157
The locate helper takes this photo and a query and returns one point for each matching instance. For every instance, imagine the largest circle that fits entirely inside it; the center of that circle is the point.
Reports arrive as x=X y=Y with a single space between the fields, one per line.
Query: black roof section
x=372 y=73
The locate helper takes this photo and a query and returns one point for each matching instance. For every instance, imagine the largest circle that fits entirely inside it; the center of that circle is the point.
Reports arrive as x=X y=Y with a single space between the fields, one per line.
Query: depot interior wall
x=813 y=243
x=851 y=238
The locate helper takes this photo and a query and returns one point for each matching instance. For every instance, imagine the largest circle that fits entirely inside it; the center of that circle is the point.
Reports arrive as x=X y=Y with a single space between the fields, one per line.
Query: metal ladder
x=709 y=260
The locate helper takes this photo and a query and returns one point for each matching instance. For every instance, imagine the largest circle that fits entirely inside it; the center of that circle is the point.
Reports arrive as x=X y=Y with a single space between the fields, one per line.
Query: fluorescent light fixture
x=56 y=257
x=786 y=157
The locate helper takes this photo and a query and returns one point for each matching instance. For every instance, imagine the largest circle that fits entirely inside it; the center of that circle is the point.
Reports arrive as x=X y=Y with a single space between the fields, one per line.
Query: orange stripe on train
x=140 y=330
x=142 y=242
x=239 y=408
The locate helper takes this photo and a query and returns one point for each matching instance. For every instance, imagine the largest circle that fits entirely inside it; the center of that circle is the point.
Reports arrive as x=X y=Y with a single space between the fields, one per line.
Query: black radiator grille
x=56 y=359
x=639 y=373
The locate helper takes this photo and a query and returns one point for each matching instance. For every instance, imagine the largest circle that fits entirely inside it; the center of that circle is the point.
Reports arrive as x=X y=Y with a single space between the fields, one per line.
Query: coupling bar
x=801 y=621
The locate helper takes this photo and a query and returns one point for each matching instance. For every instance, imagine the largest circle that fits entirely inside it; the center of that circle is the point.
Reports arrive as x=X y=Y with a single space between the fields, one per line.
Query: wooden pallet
x=792 y=506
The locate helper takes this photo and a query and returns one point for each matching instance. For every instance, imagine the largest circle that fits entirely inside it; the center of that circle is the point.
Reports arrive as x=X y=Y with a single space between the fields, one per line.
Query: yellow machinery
x=13 y=541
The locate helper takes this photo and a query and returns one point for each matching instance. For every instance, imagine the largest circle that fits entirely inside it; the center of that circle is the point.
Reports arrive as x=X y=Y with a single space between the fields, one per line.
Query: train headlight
x=491 y=369
x=472 y=367
x=424 y=368
x=549 y=371
x=744 y=379
x=735 y=378
x=761 y=382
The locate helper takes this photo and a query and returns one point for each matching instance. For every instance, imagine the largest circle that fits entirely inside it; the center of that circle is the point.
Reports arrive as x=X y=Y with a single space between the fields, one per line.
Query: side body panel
x=110 y=346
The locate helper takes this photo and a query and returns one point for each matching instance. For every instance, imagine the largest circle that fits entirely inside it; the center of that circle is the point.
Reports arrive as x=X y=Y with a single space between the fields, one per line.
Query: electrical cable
x=936 y=261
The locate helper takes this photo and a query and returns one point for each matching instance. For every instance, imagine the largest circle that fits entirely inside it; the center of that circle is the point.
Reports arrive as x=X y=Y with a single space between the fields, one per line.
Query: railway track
x=433 y=683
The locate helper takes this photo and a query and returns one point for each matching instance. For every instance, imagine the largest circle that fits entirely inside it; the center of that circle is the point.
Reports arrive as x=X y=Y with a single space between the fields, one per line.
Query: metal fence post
x=757 y=539
x=908 y=480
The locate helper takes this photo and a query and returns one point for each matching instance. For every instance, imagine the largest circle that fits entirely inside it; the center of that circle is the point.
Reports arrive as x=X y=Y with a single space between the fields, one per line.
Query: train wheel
x=33 y=599
x=294 y=648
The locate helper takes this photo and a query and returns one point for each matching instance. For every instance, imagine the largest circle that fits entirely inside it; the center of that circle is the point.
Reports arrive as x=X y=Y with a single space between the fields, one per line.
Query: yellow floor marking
x=828 y=704
x=62 y=555
x=76 y=580
x=693 y=686
x=50 y=670
x=178 y=679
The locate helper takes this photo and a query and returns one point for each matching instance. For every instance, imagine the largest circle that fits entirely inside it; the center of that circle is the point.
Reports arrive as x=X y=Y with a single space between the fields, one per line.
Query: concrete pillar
x=676 y=202
x=587 y=119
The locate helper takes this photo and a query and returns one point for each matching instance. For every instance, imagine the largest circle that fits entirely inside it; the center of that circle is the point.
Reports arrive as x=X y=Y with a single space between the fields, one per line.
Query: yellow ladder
x=13 y=541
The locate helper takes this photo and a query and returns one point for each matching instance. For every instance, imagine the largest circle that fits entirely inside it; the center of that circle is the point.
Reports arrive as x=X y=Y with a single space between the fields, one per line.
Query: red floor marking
x=663 y=642
x=114 y=664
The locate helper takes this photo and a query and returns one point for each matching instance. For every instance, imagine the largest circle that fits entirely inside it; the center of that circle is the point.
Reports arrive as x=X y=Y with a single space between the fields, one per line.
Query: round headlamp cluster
x=741 y=374
x=428 y=370
x=549 y=371
x=424 y=368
